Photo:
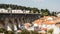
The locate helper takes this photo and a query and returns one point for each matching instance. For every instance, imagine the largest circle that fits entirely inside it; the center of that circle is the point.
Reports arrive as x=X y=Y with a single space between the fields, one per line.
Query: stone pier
x=13 y=21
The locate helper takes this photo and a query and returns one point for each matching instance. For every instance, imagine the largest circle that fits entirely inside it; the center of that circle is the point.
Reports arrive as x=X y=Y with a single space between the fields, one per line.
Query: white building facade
x=13 y=11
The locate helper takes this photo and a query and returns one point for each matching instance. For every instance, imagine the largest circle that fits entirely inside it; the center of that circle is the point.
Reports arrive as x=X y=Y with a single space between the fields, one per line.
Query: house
x=27 y=25
x=9 y=10
x=58 y=14
x=47 y=21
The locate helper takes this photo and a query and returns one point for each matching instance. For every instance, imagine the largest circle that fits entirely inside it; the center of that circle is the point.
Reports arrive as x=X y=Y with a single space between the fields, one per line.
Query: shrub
x=2 y=30
x=34 y=32
x=28 y=32
x=9 y=32
x=19 y=32
x=25 y=32
x=50 y=31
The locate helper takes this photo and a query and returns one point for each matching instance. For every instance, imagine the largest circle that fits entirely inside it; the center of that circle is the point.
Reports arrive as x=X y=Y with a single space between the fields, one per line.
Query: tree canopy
x=43 y=12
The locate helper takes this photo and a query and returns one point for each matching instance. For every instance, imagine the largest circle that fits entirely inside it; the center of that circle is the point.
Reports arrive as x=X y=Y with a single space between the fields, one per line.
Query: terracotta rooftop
x=47 y=20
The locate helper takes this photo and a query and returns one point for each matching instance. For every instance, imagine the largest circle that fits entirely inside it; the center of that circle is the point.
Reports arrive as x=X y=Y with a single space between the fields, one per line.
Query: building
x=13 y=19
x=46 y=21
x=9 y=10
x=58 y=14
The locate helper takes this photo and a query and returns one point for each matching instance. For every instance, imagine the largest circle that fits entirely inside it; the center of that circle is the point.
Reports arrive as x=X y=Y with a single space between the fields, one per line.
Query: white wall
x=13 y=11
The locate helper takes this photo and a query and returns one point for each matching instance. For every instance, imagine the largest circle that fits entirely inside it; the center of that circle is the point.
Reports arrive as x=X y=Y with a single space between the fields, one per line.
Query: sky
x=52 y=5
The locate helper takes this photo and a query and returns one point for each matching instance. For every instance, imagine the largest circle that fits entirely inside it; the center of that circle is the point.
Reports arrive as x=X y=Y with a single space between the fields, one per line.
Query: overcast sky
x=49 y=4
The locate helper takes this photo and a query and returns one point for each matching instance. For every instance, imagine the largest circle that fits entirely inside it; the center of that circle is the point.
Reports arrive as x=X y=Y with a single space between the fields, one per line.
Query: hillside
x=5 y=6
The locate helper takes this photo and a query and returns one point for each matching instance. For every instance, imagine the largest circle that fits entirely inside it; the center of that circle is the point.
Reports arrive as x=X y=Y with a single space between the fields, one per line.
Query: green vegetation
x=43 y=12
x=50 y=31
x=2 y=30
x=12 y=32
x=28 y=32
x=9 y=32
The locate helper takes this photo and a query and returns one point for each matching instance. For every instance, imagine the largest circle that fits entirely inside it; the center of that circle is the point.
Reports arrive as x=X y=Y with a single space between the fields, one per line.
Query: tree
x=45 y=12
x=53 y=13
x=35 y=10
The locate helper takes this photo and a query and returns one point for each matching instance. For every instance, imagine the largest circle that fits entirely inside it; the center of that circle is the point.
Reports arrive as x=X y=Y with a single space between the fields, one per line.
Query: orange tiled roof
x=38 y=21
x=45 y=21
